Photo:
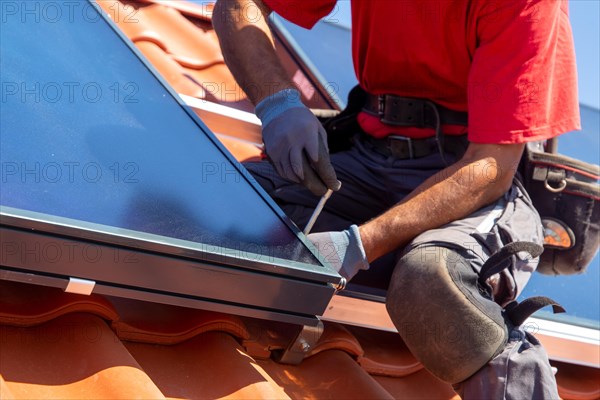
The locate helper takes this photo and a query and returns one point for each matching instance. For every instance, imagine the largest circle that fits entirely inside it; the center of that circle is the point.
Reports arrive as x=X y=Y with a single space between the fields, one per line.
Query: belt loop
x=381 y=105
x=409 y=144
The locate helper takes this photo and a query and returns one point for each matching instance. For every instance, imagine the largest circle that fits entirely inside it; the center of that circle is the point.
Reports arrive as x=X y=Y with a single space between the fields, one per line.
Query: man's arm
x=295 y=141
x=483 y=175
x=248 y=49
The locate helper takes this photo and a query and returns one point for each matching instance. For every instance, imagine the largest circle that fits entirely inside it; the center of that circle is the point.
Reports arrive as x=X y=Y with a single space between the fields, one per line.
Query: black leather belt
x=402 y=147
x=407 y=111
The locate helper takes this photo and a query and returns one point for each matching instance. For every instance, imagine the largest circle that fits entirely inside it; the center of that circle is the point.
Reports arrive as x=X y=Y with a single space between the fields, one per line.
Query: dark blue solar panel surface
x=88 y=133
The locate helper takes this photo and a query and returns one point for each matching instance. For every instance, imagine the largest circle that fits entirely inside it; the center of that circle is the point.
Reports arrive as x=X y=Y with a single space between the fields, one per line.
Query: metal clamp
x=302 y=343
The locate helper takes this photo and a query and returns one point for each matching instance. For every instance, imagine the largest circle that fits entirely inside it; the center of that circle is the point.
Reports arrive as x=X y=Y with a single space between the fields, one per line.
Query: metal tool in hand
x=318 y=209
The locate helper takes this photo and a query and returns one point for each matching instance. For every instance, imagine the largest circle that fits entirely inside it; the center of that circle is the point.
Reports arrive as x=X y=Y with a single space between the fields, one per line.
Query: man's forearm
x=481 y=177
x=248 y=48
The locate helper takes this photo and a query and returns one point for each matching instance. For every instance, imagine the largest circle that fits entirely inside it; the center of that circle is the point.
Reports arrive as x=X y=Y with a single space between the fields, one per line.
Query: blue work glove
x=343 y=250
x=296 y=142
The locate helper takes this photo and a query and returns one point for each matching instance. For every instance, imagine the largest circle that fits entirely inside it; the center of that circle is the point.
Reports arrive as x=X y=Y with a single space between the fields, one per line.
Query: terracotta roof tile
x=385 y=353
x=73 y=356
x=420 y=385
x=337 y=336
x=189 y=45
x=242 y=150
x=170 y=69
x=163 y=324
x=127 y=19
x=211 y=365
x=220 y=86
x=5 y=392
x=331 y=374
x=185 y=51
x=201 y=11
x=27 y=305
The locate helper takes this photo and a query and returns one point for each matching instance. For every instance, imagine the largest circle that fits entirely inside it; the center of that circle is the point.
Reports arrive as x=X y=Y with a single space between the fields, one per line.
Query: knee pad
x=448 y=321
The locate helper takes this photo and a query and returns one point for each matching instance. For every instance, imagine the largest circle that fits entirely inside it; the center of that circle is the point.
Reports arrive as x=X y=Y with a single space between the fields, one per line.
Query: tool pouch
x=566 y=193
x=342 y=126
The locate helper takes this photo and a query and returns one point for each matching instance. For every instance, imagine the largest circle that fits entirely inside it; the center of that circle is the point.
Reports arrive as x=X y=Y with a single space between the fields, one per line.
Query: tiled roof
x=186 y=53
x=178 y=39
x=60 y=345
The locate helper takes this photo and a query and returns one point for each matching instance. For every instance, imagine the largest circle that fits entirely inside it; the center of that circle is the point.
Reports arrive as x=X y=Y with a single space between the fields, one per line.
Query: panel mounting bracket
x=301 y=344
x=80 y=286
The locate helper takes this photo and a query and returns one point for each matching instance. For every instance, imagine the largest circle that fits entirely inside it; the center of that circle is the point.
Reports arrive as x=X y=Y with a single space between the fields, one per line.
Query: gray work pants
x=371 y=184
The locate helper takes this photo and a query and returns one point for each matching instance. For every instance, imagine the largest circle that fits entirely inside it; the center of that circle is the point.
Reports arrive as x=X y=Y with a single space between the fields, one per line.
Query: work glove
x=296 y=142
x=343 y=250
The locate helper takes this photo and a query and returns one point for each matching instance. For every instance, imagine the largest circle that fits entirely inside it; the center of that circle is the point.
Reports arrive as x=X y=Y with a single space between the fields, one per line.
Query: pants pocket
x=523 y=225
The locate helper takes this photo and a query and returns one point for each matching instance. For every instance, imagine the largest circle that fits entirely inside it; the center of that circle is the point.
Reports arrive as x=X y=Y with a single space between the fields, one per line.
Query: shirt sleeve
x=522 y=85
x=305 y=13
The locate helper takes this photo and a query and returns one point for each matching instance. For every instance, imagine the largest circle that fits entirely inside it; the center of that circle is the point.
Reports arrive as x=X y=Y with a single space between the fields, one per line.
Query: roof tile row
x=60 y=345
x=186 y=53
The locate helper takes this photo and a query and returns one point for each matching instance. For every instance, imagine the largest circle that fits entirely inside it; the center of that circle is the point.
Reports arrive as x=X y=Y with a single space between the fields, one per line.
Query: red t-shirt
x=509 y=64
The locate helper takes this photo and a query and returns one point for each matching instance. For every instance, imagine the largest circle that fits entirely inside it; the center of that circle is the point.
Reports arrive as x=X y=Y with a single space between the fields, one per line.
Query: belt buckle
x=408 y=141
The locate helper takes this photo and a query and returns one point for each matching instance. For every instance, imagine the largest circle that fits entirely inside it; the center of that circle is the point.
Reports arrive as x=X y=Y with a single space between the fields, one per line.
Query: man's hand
x=296 y=142
x=343 y=250
x=294 y=139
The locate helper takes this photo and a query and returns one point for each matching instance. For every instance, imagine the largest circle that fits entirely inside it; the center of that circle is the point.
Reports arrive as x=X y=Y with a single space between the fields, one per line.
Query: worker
x=452 y=90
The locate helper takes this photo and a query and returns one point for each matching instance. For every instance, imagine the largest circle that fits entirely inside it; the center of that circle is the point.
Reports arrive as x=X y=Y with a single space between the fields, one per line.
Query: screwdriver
x=319 y=208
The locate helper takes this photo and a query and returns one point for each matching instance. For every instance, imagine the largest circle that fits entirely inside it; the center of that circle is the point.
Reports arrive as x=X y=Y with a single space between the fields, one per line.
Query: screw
x=304 y=346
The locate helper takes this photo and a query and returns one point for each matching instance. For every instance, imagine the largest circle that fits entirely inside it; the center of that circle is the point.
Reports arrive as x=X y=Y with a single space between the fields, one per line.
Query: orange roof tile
x=73 y=356
x=385 y=353
x=211 y=365
x=20 y=308
x=420 y=385
x=202 y=11
x=188 y=45
x=162 y=324
x=170 y=69
x=186 y=53
x=332 y=374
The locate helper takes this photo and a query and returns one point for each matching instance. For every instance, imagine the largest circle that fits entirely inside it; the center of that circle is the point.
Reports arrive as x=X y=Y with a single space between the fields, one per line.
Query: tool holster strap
x=408 y=111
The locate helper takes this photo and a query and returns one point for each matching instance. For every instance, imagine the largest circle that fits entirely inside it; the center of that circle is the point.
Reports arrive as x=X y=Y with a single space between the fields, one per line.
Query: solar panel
x=96 y=151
